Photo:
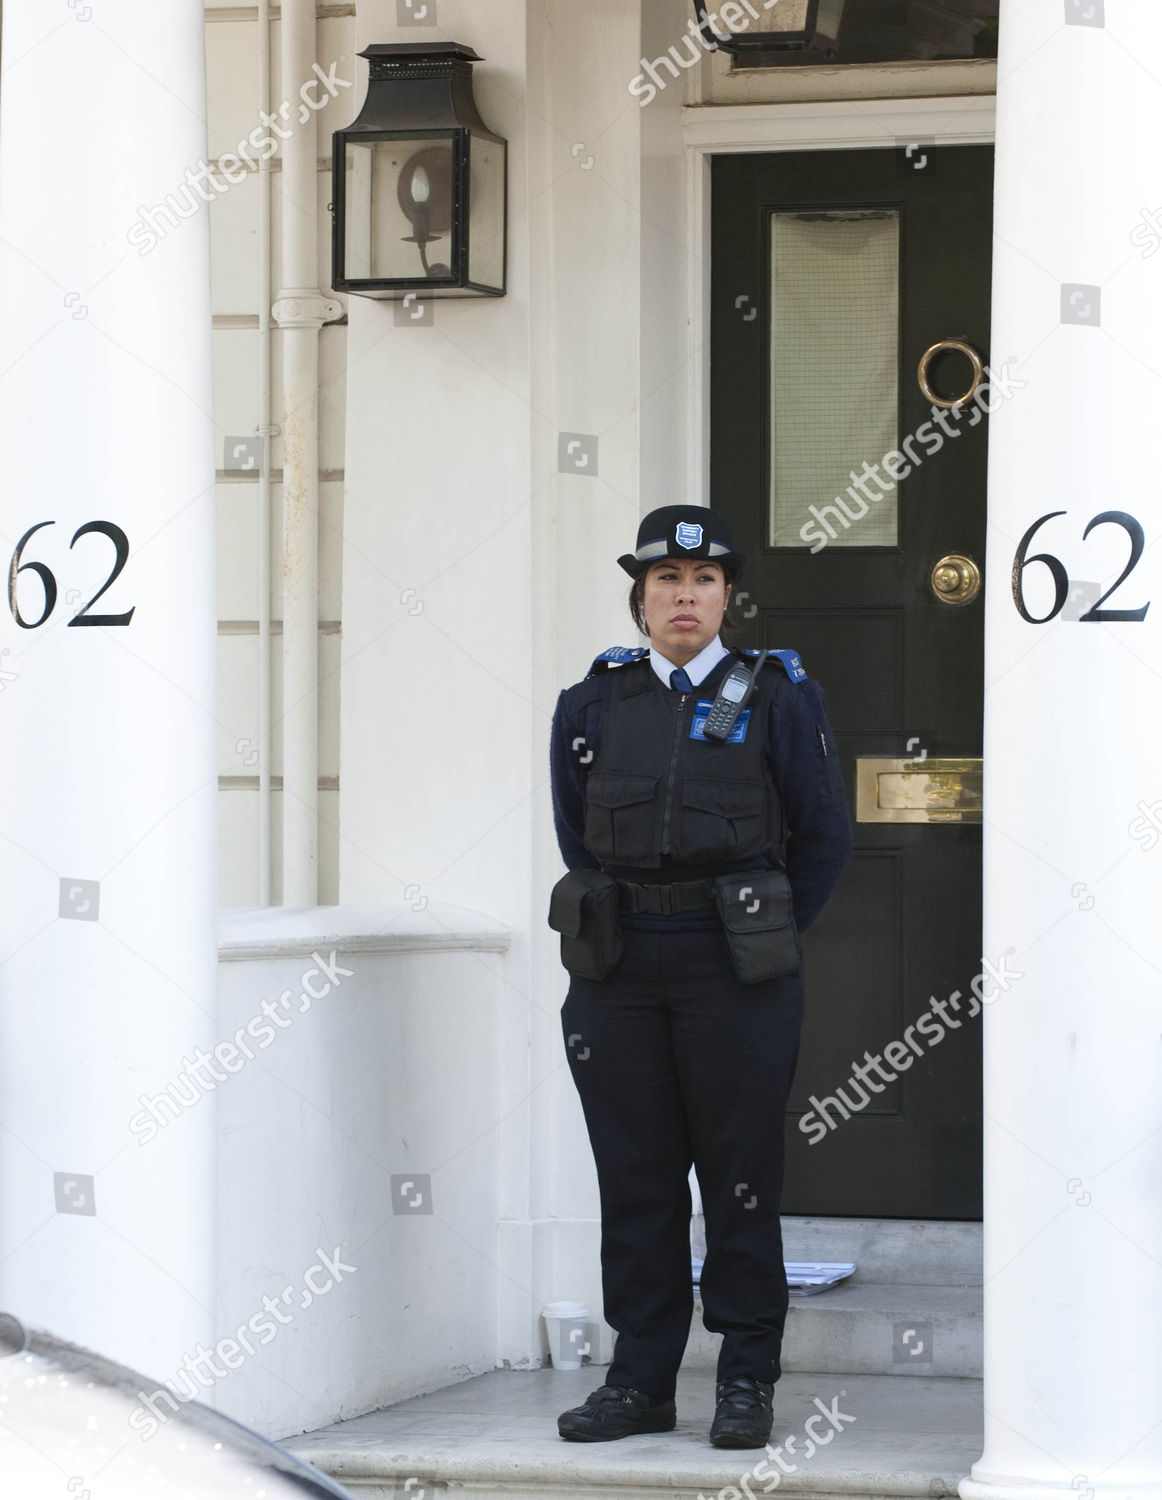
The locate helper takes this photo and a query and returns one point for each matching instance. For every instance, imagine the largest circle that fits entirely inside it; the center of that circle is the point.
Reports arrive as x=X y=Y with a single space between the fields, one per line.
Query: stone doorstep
x=495 y=1435
x=918 y=1252
x=858 y=1327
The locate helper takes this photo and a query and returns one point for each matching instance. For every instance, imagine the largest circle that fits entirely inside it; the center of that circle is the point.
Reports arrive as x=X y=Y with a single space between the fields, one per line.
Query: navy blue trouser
x=677 y=1062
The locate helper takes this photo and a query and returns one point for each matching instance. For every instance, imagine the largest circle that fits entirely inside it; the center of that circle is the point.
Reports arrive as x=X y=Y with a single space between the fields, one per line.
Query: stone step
x=871 y=1328
x=919 y=1252
x=495 y=1435
x=915 y=1302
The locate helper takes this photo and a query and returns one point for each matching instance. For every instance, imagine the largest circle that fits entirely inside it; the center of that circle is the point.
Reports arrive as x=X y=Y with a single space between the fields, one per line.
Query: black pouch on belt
x=584 y=909
x=759 y=921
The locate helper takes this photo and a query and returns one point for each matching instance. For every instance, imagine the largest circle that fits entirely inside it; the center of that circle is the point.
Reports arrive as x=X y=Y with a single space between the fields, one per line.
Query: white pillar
x=1073 y=729
x=108 y=952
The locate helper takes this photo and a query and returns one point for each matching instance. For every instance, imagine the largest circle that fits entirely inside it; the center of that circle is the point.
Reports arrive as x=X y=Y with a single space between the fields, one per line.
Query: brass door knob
x=955 y=579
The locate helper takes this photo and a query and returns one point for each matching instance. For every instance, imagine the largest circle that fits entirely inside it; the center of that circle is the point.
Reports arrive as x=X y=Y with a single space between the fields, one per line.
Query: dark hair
x=731 y=626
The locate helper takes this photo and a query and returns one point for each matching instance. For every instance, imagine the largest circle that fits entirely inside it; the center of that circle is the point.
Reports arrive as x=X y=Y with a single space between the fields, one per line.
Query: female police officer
x=695 y=857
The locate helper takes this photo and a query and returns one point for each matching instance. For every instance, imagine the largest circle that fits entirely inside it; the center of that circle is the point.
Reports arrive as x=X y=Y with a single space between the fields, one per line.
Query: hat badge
x=689 y=534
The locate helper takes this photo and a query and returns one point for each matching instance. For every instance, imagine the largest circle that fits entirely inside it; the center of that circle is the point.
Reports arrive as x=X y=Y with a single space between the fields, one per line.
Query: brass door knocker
x=964 y=347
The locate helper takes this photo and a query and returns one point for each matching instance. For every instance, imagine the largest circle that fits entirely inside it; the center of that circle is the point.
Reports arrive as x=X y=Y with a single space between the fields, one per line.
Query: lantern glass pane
x=398 y=222
x=486 y=211
x=834 y=374
x=867 y=31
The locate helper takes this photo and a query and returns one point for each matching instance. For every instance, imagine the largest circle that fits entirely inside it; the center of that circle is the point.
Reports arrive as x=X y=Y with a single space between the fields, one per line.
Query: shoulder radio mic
x=734 y=694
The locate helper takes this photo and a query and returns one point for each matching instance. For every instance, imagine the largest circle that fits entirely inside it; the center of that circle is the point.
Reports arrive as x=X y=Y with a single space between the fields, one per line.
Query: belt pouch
x=584 y=909
x=758 y=919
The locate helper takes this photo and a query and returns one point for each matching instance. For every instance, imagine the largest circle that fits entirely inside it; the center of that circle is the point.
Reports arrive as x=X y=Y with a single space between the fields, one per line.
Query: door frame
x=842 y=125
x=856 y=124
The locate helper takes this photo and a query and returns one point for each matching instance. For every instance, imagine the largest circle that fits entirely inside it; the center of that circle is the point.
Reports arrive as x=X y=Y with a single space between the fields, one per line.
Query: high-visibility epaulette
x=617 y=656
x=789 y=659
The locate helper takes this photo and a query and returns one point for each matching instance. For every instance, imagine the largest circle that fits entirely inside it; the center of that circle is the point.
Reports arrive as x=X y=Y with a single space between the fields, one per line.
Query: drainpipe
x=266 y=432
x=301 y=310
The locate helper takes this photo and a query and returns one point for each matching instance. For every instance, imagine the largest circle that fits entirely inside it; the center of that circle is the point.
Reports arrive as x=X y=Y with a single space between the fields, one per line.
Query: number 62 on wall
x=1061 y=579
x=82 y=617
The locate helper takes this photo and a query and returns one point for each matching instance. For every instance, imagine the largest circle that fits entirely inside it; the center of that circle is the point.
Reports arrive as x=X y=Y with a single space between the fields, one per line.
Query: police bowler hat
x=684 y=531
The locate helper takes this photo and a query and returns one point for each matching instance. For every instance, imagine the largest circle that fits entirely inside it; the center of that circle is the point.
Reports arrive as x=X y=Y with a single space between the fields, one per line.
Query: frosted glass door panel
x=834 y=363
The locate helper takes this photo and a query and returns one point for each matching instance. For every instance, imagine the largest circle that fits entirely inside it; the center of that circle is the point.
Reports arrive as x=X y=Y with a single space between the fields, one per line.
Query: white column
x=108 y=953
x=1073 y=713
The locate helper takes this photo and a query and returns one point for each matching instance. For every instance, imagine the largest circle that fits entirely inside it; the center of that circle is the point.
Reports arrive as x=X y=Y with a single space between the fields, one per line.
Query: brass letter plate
x=919 y=791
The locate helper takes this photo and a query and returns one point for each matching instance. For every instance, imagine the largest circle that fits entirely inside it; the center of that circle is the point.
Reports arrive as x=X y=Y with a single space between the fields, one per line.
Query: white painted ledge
x=248 y=933
x=821 y=125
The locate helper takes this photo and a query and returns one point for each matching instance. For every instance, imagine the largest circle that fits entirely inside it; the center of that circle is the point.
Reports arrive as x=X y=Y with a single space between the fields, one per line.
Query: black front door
x=859 y=500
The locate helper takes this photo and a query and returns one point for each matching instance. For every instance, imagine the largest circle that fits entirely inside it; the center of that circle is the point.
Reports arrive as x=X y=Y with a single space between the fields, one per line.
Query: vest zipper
x=670 y=778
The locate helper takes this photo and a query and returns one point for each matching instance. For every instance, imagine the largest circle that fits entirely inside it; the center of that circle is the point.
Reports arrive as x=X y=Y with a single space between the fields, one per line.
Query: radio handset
x=733 y=696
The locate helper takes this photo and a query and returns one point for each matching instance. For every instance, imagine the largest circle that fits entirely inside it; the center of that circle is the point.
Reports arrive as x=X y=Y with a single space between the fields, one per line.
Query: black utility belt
x=663 y=899
x=754 y=906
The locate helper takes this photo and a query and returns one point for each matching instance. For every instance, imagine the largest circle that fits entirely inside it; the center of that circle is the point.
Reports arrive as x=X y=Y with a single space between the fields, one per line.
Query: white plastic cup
x=565 y=1323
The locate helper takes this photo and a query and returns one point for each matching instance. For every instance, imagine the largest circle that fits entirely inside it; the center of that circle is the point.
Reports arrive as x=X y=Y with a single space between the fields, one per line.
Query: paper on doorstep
x=805 y=1278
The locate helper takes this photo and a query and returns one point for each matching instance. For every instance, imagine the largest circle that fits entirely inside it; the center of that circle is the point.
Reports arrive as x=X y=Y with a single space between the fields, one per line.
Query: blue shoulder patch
x=789 y=658
x=618 y=654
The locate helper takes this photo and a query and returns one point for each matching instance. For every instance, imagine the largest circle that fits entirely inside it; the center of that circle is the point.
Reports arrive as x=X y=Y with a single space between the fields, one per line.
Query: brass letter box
x=919 y=791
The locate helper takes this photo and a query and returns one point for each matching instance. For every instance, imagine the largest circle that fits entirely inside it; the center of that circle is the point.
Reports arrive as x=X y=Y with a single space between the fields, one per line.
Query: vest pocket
x=722 y=818
x=619 y=816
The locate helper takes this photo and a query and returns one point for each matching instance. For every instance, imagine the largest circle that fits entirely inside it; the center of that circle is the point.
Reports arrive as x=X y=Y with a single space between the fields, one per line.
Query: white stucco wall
x=361 y=1131
x=454 y=491
x=471 y=582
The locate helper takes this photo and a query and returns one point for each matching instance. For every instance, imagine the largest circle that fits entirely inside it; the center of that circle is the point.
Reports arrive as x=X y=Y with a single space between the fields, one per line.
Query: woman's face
x=684 y=601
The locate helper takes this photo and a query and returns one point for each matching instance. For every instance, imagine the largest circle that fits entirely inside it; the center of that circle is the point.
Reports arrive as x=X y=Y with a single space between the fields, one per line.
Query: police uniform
x=675 y=1058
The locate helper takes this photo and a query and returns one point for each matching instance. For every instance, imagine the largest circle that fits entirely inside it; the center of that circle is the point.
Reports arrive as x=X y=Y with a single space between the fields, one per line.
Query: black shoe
x=743 y=1418
x=615 y=1411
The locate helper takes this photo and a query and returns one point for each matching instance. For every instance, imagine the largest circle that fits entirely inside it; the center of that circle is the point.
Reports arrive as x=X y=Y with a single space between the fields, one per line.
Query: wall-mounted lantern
x=788 y=26
x=420 y=181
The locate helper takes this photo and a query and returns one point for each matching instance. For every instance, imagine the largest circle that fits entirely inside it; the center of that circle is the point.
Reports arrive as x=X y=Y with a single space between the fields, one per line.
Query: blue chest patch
x=702 y=712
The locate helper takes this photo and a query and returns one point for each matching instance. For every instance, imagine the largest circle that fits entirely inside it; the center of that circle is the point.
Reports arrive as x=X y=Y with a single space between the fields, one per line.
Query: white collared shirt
x=697 y=669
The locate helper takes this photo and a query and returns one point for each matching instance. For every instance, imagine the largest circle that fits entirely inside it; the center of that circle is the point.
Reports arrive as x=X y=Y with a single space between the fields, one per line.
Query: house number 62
x=1061 y=578
x=48 y=582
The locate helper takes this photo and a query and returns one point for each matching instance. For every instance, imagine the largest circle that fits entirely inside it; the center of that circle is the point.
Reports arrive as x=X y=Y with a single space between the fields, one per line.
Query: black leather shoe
x=743 y=1417
x=615 y=1411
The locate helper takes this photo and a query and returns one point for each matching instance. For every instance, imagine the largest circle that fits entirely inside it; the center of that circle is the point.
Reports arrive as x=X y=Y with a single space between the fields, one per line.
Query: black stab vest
x=654 y=796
